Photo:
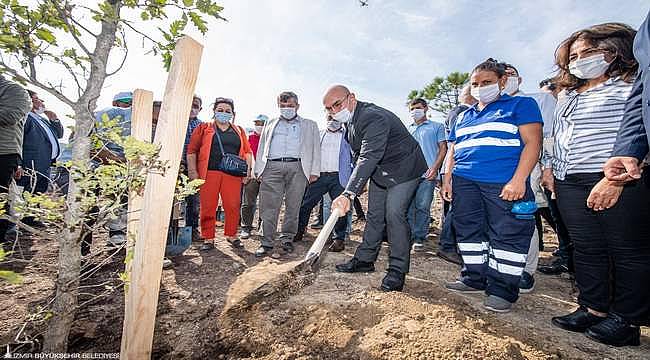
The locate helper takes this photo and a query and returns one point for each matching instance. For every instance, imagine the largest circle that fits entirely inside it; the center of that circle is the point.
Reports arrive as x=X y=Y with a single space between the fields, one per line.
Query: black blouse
x=231 y=144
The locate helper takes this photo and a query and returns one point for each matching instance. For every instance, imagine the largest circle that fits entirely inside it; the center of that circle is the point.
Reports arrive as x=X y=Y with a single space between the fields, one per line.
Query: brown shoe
x=298 y=237
x=337 y=246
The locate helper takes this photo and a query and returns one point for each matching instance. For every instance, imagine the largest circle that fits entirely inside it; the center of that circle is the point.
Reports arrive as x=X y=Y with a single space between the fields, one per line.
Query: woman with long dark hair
x=612 y=258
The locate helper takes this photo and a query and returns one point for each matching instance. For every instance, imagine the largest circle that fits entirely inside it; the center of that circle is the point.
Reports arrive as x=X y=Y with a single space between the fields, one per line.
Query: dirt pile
x=370 y=325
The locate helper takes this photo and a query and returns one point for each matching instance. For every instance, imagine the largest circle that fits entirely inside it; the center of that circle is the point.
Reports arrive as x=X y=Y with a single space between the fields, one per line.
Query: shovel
x=271 y=280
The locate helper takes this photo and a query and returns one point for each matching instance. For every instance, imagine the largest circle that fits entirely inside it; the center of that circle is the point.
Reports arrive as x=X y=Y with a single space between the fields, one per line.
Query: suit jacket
x=383 y=148
x=345 y=159
x=309 y=147
x=633 y=139
x=37 y=149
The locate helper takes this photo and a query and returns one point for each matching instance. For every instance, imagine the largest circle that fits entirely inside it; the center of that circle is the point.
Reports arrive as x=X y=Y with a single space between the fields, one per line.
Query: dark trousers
x=492 y=241
x=249 y=204
x=358 y=209
x=447 y=241
x=565 y=246
x=8 y=166
x=35 y=183
x=611 y=243
x=327 y=183
x=387 y=209
x=192 y=211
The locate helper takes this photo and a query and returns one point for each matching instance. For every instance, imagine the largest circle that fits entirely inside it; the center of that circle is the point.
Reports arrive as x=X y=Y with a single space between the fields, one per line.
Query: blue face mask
x=222 y=117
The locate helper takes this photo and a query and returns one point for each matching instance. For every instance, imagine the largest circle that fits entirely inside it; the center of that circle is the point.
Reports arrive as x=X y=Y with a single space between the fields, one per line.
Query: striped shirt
x=487 y=142
x=585 y=127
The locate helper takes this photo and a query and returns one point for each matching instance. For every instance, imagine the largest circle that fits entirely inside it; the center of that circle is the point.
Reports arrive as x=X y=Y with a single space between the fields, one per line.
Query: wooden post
x=158 y=196
x=141 y=130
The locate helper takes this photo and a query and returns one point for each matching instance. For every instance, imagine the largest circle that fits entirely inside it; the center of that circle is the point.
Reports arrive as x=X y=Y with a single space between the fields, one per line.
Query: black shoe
x=355 y=265
x=299 y=236
x=615 y=331
x=393 y=281
x=316 y=225
x=206 y=246
x=526 y=283
x=337 y=246
x=287 y=247
x=578 y=321
x=557 y=267
x=450 y=256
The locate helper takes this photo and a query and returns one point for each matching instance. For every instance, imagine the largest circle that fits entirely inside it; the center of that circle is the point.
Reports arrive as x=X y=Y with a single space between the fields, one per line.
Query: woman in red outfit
x=203 y=157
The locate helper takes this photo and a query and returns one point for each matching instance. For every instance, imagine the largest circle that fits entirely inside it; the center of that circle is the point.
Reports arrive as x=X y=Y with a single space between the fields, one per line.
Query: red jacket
x=201 y=143
x=254 y=141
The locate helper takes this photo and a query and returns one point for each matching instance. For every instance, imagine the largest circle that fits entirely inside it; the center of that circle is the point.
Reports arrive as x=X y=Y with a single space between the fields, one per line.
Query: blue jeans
x=327 y=183
x=447 y=234
x=419 y=213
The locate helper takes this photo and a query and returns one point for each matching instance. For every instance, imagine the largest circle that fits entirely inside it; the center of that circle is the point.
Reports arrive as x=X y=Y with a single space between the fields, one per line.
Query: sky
x=381 y=51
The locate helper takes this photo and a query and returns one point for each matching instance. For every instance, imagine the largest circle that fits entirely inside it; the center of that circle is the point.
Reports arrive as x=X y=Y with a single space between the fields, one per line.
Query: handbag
x=231 y=164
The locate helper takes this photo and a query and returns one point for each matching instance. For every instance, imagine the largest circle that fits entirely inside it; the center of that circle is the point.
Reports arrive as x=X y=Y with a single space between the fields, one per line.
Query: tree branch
x=126 y=53
x=73 y=31
x=34 y=81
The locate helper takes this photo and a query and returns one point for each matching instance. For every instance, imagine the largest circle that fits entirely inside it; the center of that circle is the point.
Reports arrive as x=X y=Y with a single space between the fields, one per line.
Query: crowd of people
x=572 y=153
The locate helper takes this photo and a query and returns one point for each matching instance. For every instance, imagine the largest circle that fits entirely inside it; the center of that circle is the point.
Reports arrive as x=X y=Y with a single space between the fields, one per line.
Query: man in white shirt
x=335 y=159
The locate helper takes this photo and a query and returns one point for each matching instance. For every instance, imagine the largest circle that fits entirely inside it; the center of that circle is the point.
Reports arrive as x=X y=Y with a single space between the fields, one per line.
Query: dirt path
x=339 y=316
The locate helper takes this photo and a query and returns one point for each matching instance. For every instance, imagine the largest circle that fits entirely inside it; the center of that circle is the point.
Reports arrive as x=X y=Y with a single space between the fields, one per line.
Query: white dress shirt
x=330 y=148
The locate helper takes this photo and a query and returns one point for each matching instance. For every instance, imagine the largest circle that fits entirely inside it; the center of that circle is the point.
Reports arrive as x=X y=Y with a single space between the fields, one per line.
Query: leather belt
x=329 y=173
x=286 y=159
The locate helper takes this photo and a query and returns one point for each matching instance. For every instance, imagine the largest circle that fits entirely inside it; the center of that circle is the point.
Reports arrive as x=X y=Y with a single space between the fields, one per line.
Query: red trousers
x=218 y=184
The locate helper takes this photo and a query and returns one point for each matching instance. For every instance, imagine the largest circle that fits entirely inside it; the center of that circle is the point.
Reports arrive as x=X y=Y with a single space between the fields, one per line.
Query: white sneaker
x=244 y=234
x=167 y=263
x=418 y=247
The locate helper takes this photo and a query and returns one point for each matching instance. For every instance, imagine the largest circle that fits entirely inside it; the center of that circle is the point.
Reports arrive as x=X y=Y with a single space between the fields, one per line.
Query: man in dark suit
x=40 y=146
x=389 y=156
x=633 y=142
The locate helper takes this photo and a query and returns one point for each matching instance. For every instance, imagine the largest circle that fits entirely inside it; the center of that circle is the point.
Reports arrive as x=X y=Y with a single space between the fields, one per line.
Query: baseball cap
x=261 y=117
x=123 y=95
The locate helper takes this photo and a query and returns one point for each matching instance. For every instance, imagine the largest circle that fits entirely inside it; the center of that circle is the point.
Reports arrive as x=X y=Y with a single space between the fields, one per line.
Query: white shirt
x=330 y=148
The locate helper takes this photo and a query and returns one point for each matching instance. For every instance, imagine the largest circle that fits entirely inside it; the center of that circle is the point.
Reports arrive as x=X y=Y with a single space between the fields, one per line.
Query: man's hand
x=513 y=190
x=622 y=168
x=312 y=178
x=342 y=203
x=548 y=181
x=18 y=173
x=446 y=189
x=192 y=174
x=51 y=115
x=431 y=174
x=604 y=195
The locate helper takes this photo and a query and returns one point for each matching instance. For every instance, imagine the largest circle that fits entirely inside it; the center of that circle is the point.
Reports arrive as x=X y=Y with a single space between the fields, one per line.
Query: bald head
x=466 y=97
x=335 y=98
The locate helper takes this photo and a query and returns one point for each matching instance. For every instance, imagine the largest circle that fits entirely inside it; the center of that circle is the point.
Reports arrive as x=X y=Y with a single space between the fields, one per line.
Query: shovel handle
x=324 y=234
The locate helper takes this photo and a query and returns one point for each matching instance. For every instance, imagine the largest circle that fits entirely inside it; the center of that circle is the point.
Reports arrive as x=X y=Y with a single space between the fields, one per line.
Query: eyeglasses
x=337 y=104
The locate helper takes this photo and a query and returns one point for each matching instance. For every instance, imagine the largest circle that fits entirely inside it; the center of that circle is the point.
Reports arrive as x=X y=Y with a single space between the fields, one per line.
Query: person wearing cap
x=120 y=111
x=252 y=189
x=209 y=143
x=288 y=159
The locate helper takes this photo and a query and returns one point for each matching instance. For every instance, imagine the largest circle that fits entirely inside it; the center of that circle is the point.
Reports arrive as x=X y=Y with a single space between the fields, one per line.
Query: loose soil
x=334 y=316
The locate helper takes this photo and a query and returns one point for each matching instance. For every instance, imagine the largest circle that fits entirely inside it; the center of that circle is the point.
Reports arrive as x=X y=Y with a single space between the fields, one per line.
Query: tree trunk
x=67 y=283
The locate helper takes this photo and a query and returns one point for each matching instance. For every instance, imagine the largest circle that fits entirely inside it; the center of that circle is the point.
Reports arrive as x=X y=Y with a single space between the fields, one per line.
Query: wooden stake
x=158 y=197
x=140 y=130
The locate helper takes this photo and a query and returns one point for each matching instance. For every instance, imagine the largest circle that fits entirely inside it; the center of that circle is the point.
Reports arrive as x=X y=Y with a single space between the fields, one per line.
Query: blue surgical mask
x=288 y=113
x=222 y=117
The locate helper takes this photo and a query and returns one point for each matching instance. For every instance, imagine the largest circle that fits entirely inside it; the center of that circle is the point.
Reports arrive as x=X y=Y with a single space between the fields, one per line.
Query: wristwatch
x=350 y=195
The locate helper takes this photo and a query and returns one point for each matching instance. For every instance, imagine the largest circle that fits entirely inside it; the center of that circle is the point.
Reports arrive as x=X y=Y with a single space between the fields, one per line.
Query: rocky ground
x=338 y=316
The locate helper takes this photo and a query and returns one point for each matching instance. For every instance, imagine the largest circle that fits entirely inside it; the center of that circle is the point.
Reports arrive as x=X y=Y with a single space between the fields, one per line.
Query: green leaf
x=198 y=21
x=11 y=277
x=188 y=3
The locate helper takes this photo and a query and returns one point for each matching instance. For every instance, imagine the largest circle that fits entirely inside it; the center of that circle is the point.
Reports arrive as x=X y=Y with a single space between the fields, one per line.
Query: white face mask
x=486 y=94
x=512 y=85
x=342 y=116
x=40 y=110
x=417 y=114
x=333 y=125
x=590 y=67
x=288 y=113
x=259 y=128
